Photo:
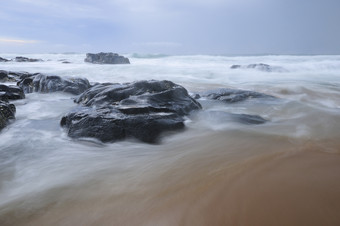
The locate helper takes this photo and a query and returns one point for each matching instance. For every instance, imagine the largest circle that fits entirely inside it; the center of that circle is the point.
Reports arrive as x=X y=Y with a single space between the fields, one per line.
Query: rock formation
x=142 y=110
x=51 y=83
x=106 y=58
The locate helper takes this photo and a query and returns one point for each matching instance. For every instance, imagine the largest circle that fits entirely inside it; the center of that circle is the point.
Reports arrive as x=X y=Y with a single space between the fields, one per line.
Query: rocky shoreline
x=111 y=112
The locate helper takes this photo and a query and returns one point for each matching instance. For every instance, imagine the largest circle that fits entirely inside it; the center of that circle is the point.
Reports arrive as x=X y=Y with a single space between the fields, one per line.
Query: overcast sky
x=171 y=26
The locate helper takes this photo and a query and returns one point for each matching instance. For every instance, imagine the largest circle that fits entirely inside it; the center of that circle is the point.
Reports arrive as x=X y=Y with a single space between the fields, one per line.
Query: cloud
x=159 y=44
x=18 y=41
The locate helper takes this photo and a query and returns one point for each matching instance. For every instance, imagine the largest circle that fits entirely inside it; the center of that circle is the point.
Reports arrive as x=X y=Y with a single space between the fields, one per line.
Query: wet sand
x=264 y=181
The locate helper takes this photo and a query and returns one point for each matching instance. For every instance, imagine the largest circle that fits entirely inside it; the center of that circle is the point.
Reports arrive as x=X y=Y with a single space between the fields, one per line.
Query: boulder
x=142 y=110
x=233 y=95
x=11 y=92
x=106 y=58
x=51 y=83
x=7 y=112
x=260 y=67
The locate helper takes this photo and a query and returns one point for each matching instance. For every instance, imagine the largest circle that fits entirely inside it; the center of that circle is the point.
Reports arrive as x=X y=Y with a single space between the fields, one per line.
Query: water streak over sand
x=264 y=181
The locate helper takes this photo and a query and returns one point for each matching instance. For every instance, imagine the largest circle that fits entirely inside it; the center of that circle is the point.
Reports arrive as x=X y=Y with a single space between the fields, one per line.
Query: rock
x=66 y=62
x=217 y=117
x=7 y=76
x=25 y=59
x=7 y=112
x=3 y=60
x=142 y=110
x=11 y=92
x=106 y=58
x=235 y=66
x=17 y=76
x=3 y=75
x=50 y=83
x=233 y=95
x=260 y=67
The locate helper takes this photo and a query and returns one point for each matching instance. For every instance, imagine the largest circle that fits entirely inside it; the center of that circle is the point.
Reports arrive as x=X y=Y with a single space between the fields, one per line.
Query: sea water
x=215 y=172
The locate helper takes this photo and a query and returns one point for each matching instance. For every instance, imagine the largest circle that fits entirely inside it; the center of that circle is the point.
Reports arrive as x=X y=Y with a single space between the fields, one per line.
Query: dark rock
x=25 y=59
x=196 y=96
x=260 y=67
x=233 y=95
x=109 y=124
x=3 y=60
x=17 y=76
x=7 y=76
x=11 y=92
x=66 y=62
x=3 y=75
x=50 y=83
x=106 y=58
x=217 y=117
x=142 y=110
x=235 y=66
x=7 y=112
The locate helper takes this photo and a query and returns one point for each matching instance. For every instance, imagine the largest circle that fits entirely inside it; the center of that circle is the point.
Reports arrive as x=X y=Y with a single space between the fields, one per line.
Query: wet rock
x=218 y=117
x=3 y=76
x=25 y=59
x=7 y=113
x=106 y=58
x=260 y=67
x=50 y=83
x=3 y=60
x=7 y=76
x=11 y=92
x=233 y=95
x=142 y=110
x=17 y=76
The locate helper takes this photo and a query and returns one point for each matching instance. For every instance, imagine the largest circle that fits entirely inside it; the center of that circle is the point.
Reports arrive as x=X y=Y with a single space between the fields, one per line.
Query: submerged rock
x=142 y=110
x=106 y=58
x=7 y=112
x=233 y=95
x=25 y=59
x=51 y=83
x=11 y=92
x=3 y=60
x=21 y=59
x=218 y=117
x=260 y=66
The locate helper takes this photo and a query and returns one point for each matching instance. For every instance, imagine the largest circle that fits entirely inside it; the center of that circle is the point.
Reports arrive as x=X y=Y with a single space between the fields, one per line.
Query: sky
x=228 y=27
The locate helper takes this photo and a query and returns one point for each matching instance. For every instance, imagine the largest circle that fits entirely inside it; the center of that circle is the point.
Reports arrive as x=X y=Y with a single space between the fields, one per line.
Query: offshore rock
x=260 y=67
x=25 y=59
x=7 y=112
x=142 y=110
x=51 y=83
x=234 y=95
x=106 y=58
x=3 y=60
x=11 y=93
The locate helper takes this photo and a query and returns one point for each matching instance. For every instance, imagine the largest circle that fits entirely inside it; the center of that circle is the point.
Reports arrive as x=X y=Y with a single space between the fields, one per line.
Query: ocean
x=215 y=172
